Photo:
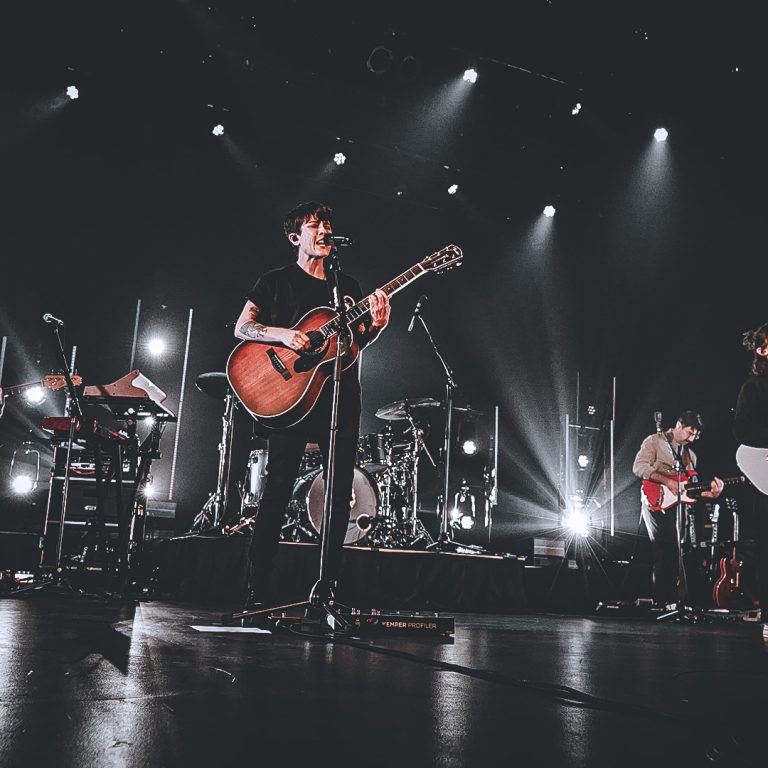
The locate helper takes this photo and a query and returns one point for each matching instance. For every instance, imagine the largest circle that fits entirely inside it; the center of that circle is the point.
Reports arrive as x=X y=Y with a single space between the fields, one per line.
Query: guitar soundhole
x=308 y=358
x=317 y=345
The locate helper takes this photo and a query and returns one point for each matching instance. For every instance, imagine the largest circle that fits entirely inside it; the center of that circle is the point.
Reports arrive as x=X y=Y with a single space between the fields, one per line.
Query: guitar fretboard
x=363 y=306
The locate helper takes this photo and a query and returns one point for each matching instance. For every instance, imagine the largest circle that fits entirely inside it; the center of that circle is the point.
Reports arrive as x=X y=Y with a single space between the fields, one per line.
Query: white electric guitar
x=753 y=462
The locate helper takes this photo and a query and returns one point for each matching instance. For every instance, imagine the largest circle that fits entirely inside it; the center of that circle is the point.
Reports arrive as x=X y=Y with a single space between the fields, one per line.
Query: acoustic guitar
x=279 y=386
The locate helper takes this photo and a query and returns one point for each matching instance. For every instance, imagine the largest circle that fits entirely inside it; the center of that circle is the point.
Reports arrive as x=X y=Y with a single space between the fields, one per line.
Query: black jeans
x=665 y=550
x=286 y=448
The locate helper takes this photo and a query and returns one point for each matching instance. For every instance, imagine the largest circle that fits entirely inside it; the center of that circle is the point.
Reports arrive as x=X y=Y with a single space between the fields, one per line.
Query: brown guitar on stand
x=729 y=592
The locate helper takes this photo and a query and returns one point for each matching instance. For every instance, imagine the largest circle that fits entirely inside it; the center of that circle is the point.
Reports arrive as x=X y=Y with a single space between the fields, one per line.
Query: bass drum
x=310 y=492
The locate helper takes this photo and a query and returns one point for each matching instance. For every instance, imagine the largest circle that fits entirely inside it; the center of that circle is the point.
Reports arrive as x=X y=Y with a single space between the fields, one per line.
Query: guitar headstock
x=55 y=382
x=444 y=259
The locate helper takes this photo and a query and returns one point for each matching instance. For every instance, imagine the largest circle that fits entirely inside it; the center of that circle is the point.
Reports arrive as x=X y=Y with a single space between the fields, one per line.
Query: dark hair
x=691 y=419
x=754 y=340
x=298 y=215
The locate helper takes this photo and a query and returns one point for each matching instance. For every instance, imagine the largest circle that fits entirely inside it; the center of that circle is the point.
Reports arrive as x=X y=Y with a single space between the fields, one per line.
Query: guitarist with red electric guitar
x=667 y=466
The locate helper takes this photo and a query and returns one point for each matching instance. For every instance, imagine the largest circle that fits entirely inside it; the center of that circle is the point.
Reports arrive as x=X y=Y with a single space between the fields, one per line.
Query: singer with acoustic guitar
x=750 y=427
x=657 y=463
x=278 y=301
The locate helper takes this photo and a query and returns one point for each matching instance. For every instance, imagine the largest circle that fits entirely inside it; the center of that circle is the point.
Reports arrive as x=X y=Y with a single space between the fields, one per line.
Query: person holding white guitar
x=750 y=428
x=656 y=464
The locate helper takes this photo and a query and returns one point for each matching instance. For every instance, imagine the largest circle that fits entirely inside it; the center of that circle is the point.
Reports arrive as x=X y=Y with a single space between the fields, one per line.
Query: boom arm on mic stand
x=417 y=311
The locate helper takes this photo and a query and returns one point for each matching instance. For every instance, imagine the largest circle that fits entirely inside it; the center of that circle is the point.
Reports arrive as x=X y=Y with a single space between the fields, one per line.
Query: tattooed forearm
x=253 y=330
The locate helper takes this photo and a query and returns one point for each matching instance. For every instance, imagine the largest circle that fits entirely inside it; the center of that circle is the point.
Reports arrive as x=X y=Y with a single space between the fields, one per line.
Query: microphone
x=417 y=311
x=338 y=240
x=49 y=318
x=657 y=418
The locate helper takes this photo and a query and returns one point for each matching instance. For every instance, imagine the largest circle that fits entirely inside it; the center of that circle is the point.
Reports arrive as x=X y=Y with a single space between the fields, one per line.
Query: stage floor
x=94 y=682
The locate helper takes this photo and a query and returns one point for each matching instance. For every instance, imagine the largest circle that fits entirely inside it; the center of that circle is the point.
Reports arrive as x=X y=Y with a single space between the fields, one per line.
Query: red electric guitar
x=47 y=382
x=660 y=498
x=279 y=386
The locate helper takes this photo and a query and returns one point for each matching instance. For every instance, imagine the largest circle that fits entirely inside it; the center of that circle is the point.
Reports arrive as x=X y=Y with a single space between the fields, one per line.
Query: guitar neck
x=363 y=306
x=17 y=388
x=694 y=488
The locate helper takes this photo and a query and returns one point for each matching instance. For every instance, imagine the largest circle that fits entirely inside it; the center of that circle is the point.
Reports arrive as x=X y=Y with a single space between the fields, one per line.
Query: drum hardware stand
x=417 y=532
x=210 y=517
x=321 y=614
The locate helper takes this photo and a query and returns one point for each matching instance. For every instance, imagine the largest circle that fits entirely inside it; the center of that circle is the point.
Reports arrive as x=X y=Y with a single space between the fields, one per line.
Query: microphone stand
x=74 y=412
x=321 y=611
x=681 y=612
x=444 y=541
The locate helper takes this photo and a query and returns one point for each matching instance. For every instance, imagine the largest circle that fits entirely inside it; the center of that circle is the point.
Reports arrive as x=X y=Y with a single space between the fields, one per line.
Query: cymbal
x=471 y=413
x=400 y=408
x=213 y=383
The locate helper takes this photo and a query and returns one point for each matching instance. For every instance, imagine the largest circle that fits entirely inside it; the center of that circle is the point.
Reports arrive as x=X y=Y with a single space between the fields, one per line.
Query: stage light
x=339 y=158
x=467 y=522
x=73 y=93
x=379 y=60
x=218 y=130
x=156 y=347
x=35 y=395
x=583 y=461
x=22 y=484
x=576 y=109
x=591 y=410
x=453 y=189
x=470 y=76
x=469 y=447
x=660 y=134
x=148 y=490
x=577 y=523
x=549 y=211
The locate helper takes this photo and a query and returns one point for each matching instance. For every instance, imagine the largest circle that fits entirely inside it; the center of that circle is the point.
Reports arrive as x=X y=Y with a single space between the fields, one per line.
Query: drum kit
x=385 y=489
x=383 y=512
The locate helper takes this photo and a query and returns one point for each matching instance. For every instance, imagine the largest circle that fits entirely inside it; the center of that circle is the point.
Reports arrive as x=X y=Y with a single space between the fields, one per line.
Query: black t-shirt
x=750 y=425
x=284 y=295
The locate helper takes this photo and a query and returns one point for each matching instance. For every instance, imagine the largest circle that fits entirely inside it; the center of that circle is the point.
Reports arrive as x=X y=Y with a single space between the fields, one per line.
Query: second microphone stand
x=444 y=542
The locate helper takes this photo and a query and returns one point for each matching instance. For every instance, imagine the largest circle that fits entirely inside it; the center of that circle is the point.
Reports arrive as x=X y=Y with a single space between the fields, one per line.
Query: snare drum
x=372 y=451
x=255 y=477
x=309 y=492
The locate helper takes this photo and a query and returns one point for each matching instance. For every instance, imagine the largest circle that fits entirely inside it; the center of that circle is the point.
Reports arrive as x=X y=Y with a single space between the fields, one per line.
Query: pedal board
x=373 y=621
x=400 y=622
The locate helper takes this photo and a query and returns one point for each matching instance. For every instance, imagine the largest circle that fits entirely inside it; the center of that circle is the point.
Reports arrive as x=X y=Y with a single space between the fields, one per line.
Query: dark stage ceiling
x=649 y=271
